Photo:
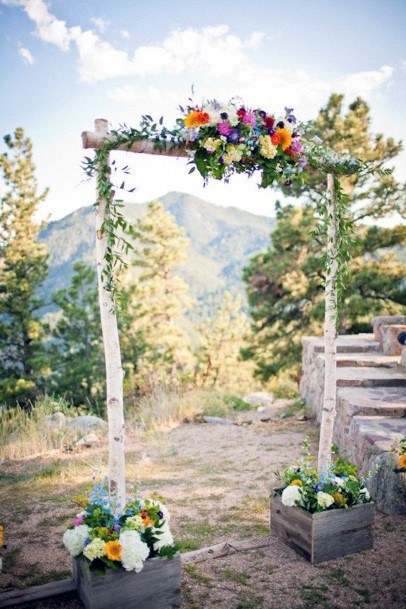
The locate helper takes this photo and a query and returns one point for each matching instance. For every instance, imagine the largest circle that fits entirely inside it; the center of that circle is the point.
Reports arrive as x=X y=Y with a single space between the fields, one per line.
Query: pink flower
x=77 y=521
x=249 y=119
x=296 y=146
x=224 y=128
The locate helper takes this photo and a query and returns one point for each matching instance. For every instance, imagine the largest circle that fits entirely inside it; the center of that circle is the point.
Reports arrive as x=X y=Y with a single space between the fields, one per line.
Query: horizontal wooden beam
x=96 y=140
x=25 y=595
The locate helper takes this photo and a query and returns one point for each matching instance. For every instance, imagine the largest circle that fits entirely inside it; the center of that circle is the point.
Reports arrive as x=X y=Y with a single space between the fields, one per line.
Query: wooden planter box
x=324 y=535
x=157 y=586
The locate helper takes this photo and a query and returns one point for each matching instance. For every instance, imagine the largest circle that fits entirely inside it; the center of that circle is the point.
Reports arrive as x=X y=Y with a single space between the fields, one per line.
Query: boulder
x=56 y=420
x=86 y=423
x=260 y=398
x=90 y=439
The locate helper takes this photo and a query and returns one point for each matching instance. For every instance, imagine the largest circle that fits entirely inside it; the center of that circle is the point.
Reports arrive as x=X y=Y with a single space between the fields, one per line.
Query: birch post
x=114 y=370
x=330 y=334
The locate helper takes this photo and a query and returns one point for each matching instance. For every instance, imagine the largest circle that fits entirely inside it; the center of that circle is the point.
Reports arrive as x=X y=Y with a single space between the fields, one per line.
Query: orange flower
x=338 y=498
x=296 y=482
x=402 y=461
x=113 y=550
x=275 y=139
x=196 y=118
x=286 y=137
x=148 y=522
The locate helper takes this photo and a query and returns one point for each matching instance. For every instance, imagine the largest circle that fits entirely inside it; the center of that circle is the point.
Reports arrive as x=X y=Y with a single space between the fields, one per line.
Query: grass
x=198 y=577
x=239 y=577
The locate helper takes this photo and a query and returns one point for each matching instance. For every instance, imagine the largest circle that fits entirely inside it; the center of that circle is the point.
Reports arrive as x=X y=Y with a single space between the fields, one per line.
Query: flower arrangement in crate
x=108 y=538
x=303 y=487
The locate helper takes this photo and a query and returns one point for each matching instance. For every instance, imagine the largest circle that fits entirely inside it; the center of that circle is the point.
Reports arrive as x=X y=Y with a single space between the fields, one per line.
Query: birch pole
x=114 y=370
x=330 y=334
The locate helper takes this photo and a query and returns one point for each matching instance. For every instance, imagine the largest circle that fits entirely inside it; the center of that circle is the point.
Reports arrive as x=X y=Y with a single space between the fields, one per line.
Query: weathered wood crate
x=324 y=535
x=157 y=586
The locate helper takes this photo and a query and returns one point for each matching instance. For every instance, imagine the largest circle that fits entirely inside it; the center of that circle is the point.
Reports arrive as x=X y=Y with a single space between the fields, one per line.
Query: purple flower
x=302 y=162
x=77 y=521
x=224 y=128
x=288 y=183
x=233 y=137
x=224 y=116
x=160 y=515
x=271 y=131
x=249 y=119
x=261 y=113
x=296 y=146
x=117 y=527
x=221 y=160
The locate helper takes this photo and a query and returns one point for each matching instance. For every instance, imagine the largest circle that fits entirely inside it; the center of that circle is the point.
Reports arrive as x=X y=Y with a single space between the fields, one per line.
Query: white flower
x=162 y=508
x=286 y=124
x=290 y=495
x=324 y=499
x=74 y=539
x=135 y=551
x=339 y=481
x=164 y=538
x=95 y=549
x=364 y=491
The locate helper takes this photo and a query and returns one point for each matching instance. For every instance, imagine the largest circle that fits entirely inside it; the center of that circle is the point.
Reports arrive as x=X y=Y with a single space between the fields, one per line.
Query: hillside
x=222 y=241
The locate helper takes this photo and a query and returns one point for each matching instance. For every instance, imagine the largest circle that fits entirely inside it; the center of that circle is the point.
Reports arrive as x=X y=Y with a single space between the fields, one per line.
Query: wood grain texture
x=325 y=535
x=157 y=586
x=35 y=593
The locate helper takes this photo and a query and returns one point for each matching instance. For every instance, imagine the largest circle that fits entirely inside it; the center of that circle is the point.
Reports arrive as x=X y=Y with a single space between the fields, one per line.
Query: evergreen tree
x=23 y=268
x=222 y=337
x=285 y=284
x=153 y=340
x=77 y=351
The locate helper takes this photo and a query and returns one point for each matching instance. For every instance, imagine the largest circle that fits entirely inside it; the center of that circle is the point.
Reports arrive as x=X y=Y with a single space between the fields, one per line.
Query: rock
x=218 y=420
x=260 y=408
x=56 y=420
x=260 y=398
x=90 y=439
x=389 y=334
x=86 y=423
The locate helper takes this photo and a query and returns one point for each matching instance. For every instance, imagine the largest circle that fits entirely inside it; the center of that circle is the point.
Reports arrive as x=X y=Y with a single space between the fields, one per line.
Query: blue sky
x=67 y=62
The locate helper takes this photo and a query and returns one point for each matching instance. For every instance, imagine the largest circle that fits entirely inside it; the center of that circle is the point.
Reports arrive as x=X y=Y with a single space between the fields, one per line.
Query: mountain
x=222 y=240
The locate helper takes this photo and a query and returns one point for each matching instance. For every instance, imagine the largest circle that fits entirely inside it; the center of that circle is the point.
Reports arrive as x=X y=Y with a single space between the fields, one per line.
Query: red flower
x=289 y=152
x=275 y=139
x=269 y=122
x=241 y=112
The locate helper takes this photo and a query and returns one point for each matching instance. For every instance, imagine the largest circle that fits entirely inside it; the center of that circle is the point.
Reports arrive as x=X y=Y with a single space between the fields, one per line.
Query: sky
x=68 y=62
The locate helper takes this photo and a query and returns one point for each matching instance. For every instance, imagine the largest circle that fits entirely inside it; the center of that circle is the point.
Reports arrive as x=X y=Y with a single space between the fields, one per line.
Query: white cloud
x=101 y=24
x=363 y=83
x=254 y=39
x=125 y=34
x=26 y=55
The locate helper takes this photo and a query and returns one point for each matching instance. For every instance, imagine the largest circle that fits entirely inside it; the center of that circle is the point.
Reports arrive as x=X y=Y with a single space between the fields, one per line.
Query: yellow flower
x=196 y=118
x=296 y=482
x=338 y=498
x=402 y=461
x=113 y=550
x=148 y=522
x=267 y=149
x=286 y=137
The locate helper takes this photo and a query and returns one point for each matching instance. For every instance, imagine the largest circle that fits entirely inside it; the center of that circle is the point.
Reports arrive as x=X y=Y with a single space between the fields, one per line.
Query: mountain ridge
x=222 y=240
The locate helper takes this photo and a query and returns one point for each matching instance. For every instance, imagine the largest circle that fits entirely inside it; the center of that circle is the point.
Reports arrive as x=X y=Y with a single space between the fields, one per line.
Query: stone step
x=368 y=401
x=371 y=377
x=369 y=444
x=360 y=360
x=379 y=321
x=348 y=343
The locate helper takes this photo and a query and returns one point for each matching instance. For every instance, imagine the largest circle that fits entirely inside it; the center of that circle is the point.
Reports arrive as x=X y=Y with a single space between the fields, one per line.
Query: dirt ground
x=216 y=481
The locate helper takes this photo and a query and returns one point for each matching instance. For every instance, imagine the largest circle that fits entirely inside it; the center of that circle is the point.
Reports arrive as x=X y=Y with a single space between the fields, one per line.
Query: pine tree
x=77 y=351
x=285 y=284
x=222 y=337
x=153 y=340
x=23 y=268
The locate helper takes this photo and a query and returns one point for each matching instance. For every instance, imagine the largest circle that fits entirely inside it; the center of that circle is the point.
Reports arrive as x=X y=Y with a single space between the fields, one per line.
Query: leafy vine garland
x=220 y=140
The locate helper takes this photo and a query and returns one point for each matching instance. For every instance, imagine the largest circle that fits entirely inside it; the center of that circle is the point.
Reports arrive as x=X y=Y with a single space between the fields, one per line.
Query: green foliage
x=76 y=353
x=153 y=340
x=285 y=284
x=23 y=268
x=222 y=337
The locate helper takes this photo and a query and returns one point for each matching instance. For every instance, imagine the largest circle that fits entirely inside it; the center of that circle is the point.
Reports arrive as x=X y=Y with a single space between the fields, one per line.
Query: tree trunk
x=329 y=402
x=114 y=370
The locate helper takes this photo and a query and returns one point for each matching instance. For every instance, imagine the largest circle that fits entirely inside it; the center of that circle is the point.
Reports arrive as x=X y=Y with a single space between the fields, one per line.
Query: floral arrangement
x=231 y=138
x=123 y=540
x=305 y=488
x=400 y=449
